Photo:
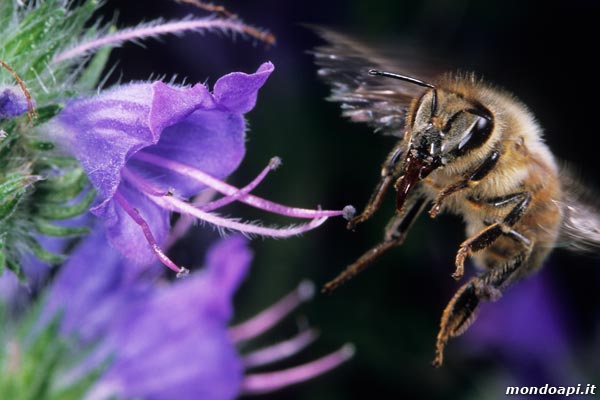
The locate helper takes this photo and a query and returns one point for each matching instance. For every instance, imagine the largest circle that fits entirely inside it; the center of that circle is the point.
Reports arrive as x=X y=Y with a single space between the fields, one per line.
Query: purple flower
x=12 y=102
x=171 y=341
x=527 y=331
x=528 y=322
x=147 y=147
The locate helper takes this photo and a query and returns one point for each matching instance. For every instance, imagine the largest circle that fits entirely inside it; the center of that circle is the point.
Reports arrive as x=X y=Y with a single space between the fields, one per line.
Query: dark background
x=541 y=52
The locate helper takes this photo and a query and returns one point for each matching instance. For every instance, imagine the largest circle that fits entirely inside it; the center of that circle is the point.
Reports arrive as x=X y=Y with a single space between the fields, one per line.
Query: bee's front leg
x=388 y=172
x=461 y=312
x=395 y=233
x=471 y=179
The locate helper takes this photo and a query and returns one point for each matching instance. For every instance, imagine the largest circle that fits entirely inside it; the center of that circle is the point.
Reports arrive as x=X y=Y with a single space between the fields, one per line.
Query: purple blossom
x=12 y=102
x=171 y=340
x=148 y=147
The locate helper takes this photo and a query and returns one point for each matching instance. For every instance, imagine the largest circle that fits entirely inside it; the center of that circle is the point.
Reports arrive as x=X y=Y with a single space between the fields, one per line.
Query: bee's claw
x=351 y=225
x=435 y=210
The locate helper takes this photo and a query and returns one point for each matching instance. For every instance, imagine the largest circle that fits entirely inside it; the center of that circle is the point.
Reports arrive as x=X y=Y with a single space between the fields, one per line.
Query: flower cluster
x=120 y=163
x=175 y=331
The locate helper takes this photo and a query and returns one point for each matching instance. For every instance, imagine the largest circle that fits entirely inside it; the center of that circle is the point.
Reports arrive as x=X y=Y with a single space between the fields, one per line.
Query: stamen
x=269 y=317
x=279 y=351
x=271 y=381
x=229 y=190
x=180 y=206
x=273 y=165
x=135 y=215
x=185 y=222
x=173 y=27
x=174 y=204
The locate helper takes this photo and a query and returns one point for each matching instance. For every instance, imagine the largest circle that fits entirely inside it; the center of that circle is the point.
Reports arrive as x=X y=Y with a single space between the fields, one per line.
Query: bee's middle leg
x=471 y=179
x=486 y=237
x=395 y=233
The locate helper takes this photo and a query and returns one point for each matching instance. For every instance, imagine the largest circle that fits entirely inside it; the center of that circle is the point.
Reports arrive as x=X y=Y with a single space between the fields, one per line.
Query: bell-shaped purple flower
x=172 y=340
x=148 y=147
x=128 y=135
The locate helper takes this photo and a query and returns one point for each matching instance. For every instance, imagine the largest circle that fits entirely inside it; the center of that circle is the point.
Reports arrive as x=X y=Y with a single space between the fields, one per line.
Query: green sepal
x=62 y=188
x=59 y=162
x=35 y=29
x=6 y=142
x=11 y=192
x=16 y=269
x=46 y=113
x=8 y=206
x=2 y=257
x=16 y=183
x=42 y=145
x=37 y=356
x=7 y=12
x=42 y=254
x=40 y=31
x=49 y=229
x=56 y=212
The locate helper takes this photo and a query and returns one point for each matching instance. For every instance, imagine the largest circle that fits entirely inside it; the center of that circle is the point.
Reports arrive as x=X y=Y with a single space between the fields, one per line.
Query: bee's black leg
x=461 y=312
x=395 y=233
x=488 y=235
x=387 y=176
x=470 y=179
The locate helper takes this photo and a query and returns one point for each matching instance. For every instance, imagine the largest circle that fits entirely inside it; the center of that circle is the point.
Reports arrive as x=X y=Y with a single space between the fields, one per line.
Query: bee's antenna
x=410 y=79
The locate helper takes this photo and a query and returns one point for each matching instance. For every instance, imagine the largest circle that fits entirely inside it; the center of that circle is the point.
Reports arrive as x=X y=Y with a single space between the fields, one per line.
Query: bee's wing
x=380 y=102
x=580 y=229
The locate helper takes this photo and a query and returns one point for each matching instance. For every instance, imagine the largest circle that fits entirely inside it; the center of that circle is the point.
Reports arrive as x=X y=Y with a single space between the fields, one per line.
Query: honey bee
x=466 y=147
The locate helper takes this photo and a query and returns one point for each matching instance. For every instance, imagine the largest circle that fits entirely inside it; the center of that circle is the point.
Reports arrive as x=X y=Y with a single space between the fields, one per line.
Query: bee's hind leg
x=461 y=312
x=395 y=233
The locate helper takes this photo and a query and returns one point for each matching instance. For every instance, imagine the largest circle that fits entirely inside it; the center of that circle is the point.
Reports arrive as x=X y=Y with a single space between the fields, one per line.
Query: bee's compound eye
x=477 y=135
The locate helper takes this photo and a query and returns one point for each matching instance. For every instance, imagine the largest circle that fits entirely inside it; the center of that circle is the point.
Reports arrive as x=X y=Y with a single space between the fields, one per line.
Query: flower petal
x=170 y=105
x=125 y=234
x=237 y=91
x=211 y=141
x=104 y=131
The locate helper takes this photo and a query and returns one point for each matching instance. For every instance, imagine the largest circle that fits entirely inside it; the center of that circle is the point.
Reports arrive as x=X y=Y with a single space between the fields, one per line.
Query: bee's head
x=443 y=126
